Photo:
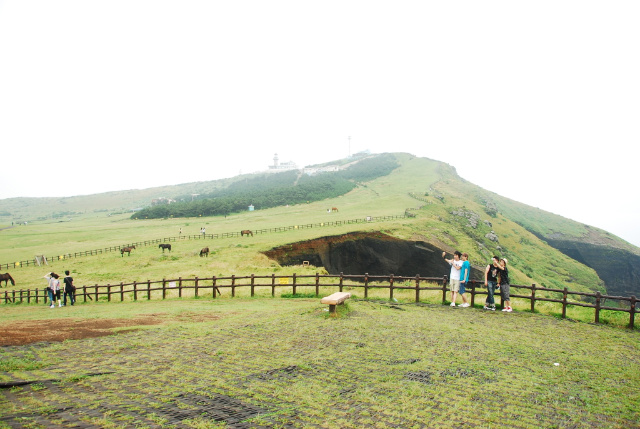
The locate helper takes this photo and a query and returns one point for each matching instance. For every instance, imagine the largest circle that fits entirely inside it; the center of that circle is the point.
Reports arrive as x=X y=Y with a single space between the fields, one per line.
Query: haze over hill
x=450 y=212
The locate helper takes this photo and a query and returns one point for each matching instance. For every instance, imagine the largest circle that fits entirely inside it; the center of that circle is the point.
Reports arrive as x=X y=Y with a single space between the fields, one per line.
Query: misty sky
x=536 y=101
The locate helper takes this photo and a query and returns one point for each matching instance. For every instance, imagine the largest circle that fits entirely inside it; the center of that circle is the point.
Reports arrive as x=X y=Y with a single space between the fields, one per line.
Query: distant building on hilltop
x=285 y=166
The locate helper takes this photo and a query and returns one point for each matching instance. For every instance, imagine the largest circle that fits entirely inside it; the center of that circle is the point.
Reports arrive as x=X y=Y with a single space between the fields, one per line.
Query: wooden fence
x=366 y=282
x=33 y=262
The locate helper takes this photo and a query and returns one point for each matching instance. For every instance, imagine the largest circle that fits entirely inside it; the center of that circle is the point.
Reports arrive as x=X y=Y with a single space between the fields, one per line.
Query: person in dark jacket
x=504 y=286
x=69 y=289
x=490 y=282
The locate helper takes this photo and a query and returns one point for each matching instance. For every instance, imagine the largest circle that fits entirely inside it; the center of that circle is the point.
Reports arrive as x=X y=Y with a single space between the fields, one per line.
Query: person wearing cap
x=504 y=286
x=454 y=276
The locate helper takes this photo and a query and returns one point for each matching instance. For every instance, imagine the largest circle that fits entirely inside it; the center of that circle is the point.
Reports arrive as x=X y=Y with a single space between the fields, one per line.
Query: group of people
x=496 y=276
x=54 y=290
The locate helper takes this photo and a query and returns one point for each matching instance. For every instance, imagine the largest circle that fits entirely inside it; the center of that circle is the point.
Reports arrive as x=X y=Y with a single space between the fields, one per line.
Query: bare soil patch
x=34 y=331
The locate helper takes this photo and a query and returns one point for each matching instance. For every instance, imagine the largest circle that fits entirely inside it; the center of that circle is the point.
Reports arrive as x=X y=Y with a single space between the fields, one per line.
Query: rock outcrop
x=618 y=268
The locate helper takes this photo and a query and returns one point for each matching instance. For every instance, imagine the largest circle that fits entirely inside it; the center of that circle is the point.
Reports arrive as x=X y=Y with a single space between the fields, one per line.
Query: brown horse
x=165 y=246
x=127 y=249
x=7 y=278
x=204 y=252
x=246 y=232
x=334 y=209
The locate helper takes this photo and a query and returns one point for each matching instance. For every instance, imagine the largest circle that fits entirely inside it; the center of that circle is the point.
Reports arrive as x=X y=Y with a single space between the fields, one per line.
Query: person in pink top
x=54 y=289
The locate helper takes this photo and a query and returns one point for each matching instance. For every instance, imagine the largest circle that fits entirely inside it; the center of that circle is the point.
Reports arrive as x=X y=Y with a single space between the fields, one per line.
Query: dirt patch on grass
x=34 y=331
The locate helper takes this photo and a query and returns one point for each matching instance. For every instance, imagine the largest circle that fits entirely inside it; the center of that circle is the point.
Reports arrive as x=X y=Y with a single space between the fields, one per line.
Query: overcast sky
x=538 y=101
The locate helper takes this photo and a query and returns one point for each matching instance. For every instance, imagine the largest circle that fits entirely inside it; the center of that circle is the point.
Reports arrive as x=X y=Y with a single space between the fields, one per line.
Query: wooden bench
x=335 y=299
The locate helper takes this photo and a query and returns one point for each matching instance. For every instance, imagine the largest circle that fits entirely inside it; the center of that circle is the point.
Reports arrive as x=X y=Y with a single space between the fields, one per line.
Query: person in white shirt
x=454 y=277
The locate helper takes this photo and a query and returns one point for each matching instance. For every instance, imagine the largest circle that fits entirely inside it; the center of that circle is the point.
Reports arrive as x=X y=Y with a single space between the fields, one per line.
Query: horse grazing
x=334 y=209
x=204 y=252
x=246 y=232
x=165 y=246
x=7 y=278
x=127 y=249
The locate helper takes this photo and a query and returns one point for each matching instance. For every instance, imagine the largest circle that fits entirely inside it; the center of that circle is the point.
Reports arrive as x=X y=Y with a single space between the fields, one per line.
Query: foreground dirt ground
x=34 y=331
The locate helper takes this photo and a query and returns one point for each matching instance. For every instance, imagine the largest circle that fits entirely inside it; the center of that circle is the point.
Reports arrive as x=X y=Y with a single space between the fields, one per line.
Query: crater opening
x=374 y=253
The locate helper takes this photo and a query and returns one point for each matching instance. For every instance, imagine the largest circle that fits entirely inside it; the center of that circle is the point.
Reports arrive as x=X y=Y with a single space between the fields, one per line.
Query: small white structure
x=277 y=166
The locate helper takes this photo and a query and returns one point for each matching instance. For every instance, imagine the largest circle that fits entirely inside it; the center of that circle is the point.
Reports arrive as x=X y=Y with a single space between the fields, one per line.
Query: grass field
x=285 y=363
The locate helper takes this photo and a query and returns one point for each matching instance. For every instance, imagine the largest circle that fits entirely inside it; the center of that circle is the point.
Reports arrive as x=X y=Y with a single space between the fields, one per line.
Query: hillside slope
x=542 y=246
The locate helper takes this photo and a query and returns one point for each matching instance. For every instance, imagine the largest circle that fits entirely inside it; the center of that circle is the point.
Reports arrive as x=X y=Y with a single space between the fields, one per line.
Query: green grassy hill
x=447 y=211
x=279 y=362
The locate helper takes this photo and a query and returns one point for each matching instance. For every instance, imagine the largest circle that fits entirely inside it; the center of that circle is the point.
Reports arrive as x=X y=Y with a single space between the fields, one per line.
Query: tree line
x=265 y=191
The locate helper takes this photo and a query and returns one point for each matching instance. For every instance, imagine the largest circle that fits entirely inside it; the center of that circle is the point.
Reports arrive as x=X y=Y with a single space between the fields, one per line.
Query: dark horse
x=127 y=249
x=165 y=246
x=7 y=278
x=246 y=232
x=204 y=252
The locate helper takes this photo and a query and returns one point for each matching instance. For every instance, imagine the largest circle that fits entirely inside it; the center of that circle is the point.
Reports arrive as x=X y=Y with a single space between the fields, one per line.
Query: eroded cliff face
x=371 y=253
x=618 y=268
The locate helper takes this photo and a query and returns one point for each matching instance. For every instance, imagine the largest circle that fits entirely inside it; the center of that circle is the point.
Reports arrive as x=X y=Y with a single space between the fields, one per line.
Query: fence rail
x=366 y=282
x=34 y=262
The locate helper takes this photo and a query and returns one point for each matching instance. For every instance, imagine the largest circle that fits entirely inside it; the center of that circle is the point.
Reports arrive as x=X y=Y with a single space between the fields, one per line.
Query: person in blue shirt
x=465 y=270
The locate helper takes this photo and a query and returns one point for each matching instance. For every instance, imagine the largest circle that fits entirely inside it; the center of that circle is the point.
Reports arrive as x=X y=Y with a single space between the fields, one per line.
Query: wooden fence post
x=195 y=290
x=135 y=291
x=317 y=283
x=533 y=297
x=294 y=284
x=564 y=303
x=214 y=280
x=253 y=284
x=273 y=285
x=148 y=289
x=632 y=312
x=180 y=287
x=37 y=297
x=121 y=291
x=164 y=288
x=445 y=281
x=108 y=292
x=97 y=287
x=391 y=287
x=473 y=293
x=417 y=287
x=341 y=281
x=233 y=285
x=366 y=285
x=597 y=316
